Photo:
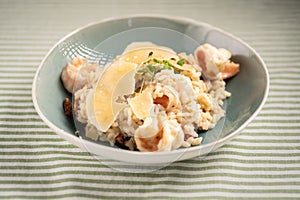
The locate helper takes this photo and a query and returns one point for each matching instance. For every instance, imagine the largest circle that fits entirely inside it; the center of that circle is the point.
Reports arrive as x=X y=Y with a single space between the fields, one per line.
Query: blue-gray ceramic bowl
x=249 y=88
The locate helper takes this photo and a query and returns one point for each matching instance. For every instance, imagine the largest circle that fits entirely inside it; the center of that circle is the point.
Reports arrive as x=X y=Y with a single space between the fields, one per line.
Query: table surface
x=263 y=161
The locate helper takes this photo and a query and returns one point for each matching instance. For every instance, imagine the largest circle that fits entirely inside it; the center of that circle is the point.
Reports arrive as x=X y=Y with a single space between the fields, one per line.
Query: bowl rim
x=221 y=141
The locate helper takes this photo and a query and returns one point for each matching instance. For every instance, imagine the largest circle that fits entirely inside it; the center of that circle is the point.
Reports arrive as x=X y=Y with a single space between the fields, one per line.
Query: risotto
x=150 y=98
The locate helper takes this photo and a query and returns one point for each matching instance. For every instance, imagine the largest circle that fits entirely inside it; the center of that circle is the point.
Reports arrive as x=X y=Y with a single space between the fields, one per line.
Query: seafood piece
x=183 y=86
x=167 y=97
x=158 y=133
x=215 y=62
x=76 y=74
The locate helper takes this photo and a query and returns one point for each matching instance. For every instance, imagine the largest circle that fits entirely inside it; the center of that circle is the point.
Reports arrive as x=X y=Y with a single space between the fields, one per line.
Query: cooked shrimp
x=70 y=72
x=163 y=101
x=167 y=97
x=215 y=62
x=230 y=69
x=76 y=74
x=159 y=134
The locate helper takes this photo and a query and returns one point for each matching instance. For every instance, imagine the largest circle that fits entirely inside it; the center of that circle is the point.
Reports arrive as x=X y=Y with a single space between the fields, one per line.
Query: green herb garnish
x=155 y=60
x=142 y=71
x=181 y=62
x=151 y=68
x=153 y=65
x=167 y=65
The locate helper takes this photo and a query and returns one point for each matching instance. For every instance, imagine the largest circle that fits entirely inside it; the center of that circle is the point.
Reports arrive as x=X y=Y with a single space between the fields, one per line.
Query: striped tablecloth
x=262 y=162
